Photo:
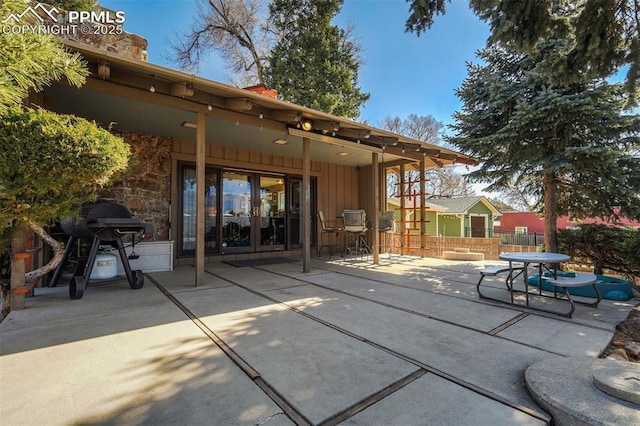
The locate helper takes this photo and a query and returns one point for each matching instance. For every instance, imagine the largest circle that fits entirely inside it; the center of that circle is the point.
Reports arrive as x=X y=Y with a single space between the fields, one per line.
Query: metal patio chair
x=386 y=226
x=331 y=232
x=355 y=223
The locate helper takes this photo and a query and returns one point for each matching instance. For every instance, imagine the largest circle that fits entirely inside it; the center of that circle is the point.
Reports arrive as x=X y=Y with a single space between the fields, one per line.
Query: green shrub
x=52 y=163
x=613 y=248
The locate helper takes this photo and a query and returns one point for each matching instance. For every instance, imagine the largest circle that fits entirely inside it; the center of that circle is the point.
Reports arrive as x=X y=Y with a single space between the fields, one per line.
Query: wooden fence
x=429 y=246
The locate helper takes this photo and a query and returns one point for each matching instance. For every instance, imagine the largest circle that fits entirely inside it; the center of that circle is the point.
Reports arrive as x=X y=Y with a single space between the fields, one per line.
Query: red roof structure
x=262 y=90
x=535 y=223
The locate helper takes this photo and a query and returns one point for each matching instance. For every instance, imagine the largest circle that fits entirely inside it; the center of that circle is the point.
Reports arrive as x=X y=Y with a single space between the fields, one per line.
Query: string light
x=210 y=107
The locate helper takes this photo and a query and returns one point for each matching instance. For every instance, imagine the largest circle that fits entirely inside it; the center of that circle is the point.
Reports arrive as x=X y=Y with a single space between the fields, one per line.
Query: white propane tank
x=104 y=267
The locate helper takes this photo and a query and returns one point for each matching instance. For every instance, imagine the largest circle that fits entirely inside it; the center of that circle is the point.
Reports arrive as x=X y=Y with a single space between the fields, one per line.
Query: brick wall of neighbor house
x=147 y=188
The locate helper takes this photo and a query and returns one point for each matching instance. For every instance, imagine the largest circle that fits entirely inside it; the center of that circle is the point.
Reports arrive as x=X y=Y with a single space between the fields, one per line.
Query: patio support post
x=200 y=189
x=376 y=208
x=306 y=205
x=423 y=212
x=404 y=240
x=384 y=196
x=18 y=269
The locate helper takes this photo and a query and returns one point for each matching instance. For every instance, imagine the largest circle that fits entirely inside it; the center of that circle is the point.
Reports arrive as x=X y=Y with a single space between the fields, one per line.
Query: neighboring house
x=533 y=223
x=448 y=217
x=408 y=218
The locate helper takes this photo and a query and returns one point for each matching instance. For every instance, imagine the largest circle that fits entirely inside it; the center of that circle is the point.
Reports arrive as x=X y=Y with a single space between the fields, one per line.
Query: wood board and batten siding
x=337 y=186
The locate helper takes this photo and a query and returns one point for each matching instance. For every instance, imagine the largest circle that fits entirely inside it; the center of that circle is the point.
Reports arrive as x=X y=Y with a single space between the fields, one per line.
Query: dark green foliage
x=422 y=13
x=73 y=4
x=616 y=249
x=607 y=32
x=522 y=128
x=314 y=63
x=32 y=61
x=51 y=163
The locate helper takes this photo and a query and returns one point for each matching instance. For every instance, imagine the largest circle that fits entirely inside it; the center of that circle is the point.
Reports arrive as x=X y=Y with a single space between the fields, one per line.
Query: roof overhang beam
x=332 y=140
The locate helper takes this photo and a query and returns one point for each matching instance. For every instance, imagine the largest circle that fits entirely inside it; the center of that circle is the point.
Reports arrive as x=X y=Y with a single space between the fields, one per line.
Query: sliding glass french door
x=187 y=226
x=253 y=212
x=245 y=211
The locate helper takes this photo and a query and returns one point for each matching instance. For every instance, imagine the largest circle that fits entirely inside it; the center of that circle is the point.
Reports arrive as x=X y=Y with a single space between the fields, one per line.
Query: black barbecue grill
x=103 y=223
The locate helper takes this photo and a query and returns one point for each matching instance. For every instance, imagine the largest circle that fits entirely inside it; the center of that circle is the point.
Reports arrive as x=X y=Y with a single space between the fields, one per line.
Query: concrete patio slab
x=407 y=342
x=267 y=282
x=318 y=370
x=446 y=277
x=183 y=278
x=440 y=403
x=142 y=365
x=52 y=305
x=467 y=355
x=413 y=274
x=558 y=336
x=466 y=313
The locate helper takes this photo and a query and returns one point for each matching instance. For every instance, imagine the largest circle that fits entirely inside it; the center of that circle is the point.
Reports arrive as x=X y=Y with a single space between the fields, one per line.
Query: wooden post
x=375 y=246
x=200 y=190
x=403 y=222
x=18 y=245
x=384 y=197
x=305 y=211
x=423 y=212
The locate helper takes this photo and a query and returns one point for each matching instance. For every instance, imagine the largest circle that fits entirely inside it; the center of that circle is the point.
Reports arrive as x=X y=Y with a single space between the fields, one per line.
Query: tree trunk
x=58 y=252
x=550 y=212
x=19 y=275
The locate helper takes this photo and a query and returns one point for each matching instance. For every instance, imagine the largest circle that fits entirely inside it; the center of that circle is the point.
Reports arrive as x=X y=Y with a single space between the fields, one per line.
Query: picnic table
x=519 y=264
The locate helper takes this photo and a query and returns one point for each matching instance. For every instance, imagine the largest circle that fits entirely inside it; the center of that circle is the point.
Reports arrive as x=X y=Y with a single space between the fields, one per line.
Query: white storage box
x=154 y=256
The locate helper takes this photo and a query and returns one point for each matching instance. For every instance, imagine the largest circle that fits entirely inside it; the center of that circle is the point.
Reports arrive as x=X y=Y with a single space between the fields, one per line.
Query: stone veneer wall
x=146 y=189
x=104 y=36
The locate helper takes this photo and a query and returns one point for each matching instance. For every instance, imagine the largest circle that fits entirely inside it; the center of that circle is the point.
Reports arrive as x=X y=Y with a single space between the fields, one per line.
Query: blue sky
x=405 y=74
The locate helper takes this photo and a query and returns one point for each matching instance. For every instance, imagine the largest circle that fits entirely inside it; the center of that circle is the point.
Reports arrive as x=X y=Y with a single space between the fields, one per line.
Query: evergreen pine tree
x=314 y=63
x=570 y=143
x=606 y=33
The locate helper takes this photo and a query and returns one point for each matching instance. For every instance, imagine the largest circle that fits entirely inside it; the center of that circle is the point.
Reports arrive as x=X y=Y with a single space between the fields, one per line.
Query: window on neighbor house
x=521 y=230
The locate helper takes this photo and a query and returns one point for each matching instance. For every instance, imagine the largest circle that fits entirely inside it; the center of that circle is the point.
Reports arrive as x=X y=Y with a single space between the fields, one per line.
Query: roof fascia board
x=332 y=141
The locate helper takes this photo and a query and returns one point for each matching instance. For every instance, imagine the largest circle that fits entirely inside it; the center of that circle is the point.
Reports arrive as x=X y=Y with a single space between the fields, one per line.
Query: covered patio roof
x=134 y=95
x=242 y=118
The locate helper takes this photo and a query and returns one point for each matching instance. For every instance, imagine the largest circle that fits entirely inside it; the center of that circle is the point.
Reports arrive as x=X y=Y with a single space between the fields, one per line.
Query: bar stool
x=355 y=223
x=330 y=231
x=386 y=226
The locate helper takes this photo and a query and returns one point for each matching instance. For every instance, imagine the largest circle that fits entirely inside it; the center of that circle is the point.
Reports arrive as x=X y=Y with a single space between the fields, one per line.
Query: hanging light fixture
x=306 y=124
